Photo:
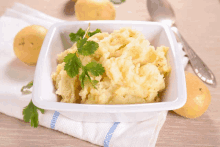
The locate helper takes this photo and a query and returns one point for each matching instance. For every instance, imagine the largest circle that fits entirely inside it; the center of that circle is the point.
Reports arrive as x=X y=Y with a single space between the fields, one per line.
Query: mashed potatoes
x=134 y=71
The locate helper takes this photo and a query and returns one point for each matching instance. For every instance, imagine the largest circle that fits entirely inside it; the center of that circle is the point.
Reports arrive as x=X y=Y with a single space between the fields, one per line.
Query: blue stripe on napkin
x=109 y=134
x=54 y=119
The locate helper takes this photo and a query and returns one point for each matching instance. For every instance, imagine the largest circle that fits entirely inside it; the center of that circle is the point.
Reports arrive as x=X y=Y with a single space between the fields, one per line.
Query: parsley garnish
x=73 y=64
x=94 y=32
x=85 y=48
x=82 y=77
x=30 y=114
x=80 y=34
x=30 y=111
x=95 y=68
x=28 y=86
x=117 y=1
x=76 y=36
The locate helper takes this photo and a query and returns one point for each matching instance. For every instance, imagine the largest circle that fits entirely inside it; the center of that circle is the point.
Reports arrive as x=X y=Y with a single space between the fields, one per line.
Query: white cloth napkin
x=14 y=74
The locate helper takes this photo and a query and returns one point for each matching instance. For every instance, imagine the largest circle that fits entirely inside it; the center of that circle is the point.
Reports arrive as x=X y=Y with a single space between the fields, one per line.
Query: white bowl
x=158 y=34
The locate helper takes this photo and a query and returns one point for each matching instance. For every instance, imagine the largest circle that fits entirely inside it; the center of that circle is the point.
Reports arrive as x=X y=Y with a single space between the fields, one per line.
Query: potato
x=198 y=97
x=28 y=42
x=94 y=10
x=134 y=71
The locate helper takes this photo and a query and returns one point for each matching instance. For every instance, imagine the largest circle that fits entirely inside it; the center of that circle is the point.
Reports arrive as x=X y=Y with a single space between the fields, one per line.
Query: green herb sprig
x=84 y=47
x=30 y=111
x=117 y=1
x=30 y=114
x=25 y=88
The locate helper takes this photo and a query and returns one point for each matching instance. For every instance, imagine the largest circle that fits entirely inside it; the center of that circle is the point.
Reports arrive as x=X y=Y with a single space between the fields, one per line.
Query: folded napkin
x=14 y=74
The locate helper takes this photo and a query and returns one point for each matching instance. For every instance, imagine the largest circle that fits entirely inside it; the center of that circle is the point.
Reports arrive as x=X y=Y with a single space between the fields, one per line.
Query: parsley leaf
x=117 y=1
x=95 y=68
x=30 y=111
x=88 y=48
x=30 y=114
x=76 y=36
x=28 y=86
x=80 y=43
x=91 y=81
x=73 y=64
x=94 y=82
x=94 y=32
x=85 y=48
x=82 y=77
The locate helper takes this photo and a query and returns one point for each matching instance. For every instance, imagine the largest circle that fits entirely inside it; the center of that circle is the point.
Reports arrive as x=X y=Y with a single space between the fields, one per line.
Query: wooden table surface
x=199 y=23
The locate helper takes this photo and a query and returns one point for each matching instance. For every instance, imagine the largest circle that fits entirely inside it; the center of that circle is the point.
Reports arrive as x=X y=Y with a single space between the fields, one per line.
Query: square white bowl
x=57 y=40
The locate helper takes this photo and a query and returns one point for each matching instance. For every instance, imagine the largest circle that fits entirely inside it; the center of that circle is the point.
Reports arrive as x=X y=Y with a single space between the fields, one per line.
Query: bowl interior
x=57 y=40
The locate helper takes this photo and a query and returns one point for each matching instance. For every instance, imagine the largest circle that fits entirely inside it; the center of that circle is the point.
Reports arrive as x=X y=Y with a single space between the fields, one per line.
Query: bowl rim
x=119 y=108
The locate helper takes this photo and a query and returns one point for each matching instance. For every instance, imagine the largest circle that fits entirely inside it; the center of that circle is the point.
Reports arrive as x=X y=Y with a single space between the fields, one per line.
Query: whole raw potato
x=28 y=42
x=94 y=10
x=198 y=97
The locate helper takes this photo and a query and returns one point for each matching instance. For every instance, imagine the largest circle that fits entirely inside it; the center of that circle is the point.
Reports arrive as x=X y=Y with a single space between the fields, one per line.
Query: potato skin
x=198 y=97
x=94 y=10
x=28 y=42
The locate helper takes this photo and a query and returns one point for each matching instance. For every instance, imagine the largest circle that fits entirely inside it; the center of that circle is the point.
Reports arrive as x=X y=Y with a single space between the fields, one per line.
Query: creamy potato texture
x=134 y=71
